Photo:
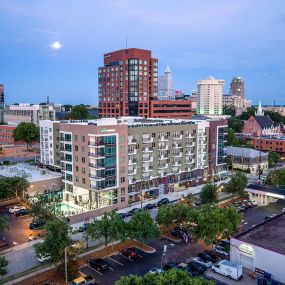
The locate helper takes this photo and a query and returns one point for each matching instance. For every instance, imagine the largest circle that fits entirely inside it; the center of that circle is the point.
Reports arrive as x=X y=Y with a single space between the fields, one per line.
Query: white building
x=50 y=143
x=15 y=114
x=210 y=96
x=262 y=248
x=165 y=89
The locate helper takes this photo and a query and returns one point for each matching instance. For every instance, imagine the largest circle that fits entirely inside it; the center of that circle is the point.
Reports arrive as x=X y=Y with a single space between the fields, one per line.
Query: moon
x=56 y=45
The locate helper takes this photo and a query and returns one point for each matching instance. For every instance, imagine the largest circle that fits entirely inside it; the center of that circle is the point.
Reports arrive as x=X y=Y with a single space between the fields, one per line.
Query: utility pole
x=259 y=166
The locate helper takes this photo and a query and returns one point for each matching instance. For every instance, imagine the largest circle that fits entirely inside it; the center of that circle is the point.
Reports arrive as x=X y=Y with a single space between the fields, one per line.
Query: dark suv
x=36 y=224
x=22 y=212
x=209 y=257
x=163 y=201
x=98 y=264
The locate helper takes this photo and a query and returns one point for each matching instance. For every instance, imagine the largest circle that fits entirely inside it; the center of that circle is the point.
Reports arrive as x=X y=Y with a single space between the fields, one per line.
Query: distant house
x=247 y=159
x=260 y=124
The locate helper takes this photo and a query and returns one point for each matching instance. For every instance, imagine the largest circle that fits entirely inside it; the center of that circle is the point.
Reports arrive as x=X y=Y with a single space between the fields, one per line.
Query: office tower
x=165 y=90
x=127 y=82
x=2 y=94
x=210 y=96
x=237 y=87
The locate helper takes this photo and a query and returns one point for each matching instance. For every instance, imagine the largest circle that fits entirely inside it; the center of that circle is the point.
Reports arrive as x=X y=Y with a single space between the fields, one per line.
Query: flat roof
x=266 y=189
x=268 y=234
x=244 y=152
x=30 y=172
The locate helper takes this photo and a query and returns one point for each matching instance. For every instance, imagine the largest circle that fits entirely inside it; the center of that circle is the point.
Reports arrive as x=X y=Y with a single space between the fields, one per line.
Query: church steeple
x=259 y=111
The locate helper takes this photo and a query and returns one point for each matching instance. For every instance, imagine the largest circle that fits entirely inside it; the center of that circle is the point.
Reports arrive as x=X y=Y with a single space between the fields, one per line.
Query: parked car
x=16 y=208
x=149 y=206
x=178 y=232
x=83 y=280
x=155 y=271
x=22 y=212
x=205 y=262
x=129 y=253
x=123 y=215
x=133 y=211
x=83 y=228
x=36 y=236
x=169 y=266
x=98 y=264
x=43 y=258
x=163 y=201
x=36 y=224
x=197 y=266
x=269 y=217
x=229 y=269
x=212 y=254
x=208 y=257
x=220 y=250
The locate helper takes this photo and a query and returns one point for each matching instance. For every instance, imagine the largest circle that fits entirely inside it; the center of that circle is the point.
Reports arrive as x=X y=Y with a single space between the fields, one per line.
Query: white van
x=229 y=269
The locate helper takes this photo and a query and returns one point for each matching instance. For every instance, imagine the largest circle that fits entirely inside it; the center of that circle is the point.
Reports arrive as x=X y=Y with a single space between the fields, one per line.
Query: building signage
x=246 y=248
x=103 y=131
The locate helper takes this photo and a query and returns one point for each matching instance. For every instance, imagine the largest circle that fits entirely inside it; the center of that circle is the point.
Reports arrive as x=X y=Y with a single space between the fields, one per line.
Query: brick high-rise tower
x=1 y=94
x=126 y=83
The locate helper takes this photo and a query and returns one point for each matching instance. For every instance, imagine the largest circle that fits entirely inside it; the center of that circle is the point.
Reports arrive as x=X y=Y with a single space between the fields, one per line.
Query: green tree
x=209 y=223
x=276 y=178
x=235 y=124
x=246 y=115
x=111 y=227
x=45 y=210
x=3 y=265
x=55 y=240
x=13 y=187
x=189 y=199
x=4 y=224
x=237 y=184
x=142 y=227
x=273 y=158
x=230 y=111
x=209 y=194
x=79 y=112
x=27 y=132
x=169 y=277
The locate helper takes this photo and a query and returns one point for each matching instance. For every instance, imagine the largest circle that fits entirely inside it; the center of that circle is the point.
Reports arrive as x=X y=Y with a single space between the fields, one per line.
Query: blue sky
x=223 y=38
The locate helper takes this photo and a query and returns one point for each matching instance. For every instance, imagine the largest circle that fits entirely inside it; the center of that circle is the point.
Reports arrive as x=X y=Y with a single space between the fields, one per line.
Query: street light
x=65 y=260
x=163 y=254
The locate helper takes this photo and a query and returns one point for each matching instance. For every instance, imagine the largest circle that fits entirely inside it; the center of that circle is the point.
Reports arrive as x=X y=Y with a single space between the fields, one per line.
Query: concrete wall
x=40 y=186
x=269 y=261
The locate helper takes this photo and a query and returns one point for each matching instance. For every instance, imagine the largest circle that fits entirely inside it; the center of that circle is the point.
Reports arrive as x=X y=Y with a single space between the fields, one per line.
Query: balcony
x=176 y=164
x=177 y=145
x=96 y=177
x=163 y=139
x=132 y=172
x=147 y=140
x=132 y=161
x=131 y=141
x=147 y=149
x=132 y=151
x=96 y=166
x=163 y=157
x=177 y=137
x=163 y=166
x=147 y=158
x=163 y=147
x=177 y=154
x=96 y=155
x=96 y=144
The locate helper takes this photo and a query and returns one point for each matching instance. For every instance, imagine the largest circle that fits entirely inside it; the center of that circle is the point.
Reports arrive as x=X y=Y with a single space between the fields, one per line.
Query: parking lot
x=19 y=231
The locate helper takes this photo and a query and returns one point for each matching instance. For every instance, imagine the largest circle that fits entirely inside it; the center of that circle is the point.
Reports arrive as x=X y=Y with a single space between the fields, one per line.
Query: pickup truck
x=86 y=280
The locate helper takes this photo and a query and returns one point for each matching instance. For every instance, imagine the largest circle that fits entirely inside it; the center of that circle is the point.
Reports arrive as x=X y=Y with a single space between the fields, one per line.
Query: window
x=83 y=149
x=83 y=138
x=123 y=179
x=122 y=138
x=122 y=170
x=76 y=138
x=76 y=158
x=76 y=148
x=76 y=168
x=68 y=157
x=123 y=199
x=83 y=159
x=122 y=159
x=123 y=191
x=83 y=170
x=83 y=180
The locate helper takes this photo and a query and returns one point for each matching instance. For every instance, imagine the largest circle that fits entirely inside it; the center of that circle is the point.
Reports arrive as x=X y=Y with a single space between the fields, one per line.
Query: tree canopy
x=79 y=112
x=55 y=241
x=13 y=187
x=4 y=224
x=273 y=158
x=276 y=178
x=27 y=132
x=209 y=194
x=142 y=227
x=169 y=277
x=110 y=227
x=237 y=184
x=3 y=265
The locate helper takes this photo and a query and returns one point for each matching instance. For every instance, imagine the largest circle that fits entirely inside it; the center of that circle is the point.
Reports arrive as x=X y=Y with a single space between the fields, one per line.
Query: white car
x=199 y=260
x=254 y=203
x=155 y=271
x=44 y=258
x=219 y=249
x=14 y=209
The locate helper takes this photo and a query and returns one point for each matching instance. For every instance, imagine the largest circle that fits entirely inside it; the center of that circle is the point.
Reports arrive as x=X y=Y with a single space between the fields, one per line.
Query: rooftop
x=266 y=189
x=30 y=172
x=244 y=152
x=263 y=234
x=264 y=121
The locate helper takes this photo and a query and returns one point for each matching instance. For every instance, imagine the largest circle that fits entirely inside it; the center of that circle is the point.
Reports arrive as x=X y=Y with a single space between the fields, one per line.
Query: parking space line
x=29 y=219
x=95 y=270
x=111 y=268
x=139 y=255
x=127 y=258
x=116 y=261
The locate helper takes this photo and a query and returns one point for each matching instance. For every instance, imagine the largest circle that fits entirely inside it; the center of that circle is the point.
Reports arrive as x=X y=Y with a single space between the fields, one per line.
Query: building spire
x=259 y=111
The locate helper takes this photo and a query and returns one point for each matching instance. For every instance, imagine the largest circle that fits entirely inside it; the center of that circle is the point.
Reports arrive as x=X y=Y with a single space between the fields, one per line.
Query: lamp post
x=65 y=261
x=163 y=254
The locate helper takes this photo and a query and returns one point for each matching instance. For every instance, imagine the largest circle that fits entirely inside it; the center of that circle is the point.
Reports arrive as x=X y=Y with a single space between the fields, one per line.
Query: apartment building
x=50 y=143
x=108 y=163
